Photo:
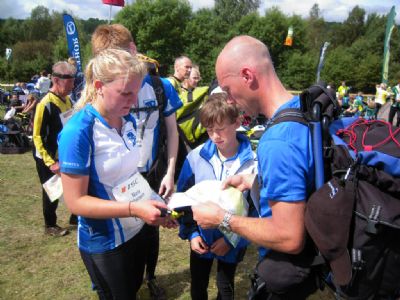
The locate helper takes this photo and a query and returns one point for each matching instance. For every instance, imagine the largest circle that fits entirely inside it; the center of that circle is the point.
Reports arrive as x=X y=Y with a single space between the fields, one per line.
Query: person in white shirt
x=43 y=84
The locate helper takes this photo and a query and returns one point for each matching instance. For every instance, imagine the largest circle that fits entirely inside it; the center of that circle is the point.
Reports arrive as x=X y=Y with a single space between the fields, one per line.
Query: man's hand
x=198 y=245
x=220 y=247
x=55 y=168
x=241 y=181
x=208 y=215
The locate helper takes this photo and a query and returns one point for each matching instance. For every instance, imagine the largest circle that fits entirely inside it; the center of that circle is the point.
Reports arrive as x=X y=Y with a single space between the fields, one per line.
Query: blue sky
x=332 y=10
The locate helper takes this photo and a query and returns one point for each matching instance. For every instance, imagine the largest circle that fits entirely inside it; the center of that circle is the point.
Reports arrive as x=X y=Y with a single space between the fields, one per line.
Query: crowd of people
x=370 y=106
x=115 y=129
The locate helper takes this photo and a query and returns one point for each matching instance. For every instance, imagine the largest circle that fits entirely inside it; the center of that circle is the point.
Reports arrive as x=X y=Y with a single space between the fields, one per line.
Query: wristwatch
x=224 y=226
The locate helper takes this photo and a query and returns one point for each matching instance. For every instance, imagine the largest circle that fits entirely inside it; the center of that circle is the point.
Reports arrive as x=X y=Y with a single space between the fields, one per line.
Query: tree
x=60 y=49
x=30 y=58
x=56 y=29
x=299 y=33
x=298 y=71
x=157 y=27
x=338 y=62
x=203 y=41
x=353 y=26
x=315 y=28
x=11 y=31
x=91 y=24
x=272 y=32
x=231 y=11
x=39 y=24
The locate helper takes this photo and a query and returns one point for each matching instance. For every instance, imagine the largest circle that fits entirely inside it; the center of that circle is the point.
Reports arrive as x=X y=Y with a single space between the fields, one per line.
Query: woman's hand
x=148 y=211
x=167 y=185
x=198 y=245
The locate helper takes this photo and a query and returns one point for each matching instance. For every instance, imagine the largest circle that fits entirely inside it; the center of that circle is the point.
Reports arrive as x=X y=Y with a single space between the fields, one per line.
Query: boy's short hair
x=110 y=36
x=216 y=110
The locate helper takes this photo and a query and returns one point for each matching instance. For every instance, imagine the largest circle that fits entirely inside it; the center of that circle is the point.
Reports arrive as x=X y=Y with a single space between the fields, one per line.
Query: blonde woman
x=98 y=152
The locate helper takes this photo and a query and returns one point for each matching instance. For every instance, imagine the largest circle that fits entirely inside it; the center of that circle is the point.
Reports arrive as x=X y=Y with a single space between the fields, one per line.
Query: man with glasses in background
x=52 y=112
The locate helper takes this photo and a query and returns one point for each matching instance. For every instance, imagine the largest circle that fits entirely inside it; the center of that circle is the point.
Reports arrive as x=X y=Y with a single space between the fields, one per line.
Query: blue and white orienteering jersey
x=148 y=121
x=88 y=146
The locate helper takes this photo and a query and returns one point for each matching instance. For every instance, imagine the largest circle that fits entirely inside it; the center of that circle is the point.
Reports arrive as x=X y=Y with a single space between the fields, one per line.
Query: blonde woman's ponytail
x=89 y=91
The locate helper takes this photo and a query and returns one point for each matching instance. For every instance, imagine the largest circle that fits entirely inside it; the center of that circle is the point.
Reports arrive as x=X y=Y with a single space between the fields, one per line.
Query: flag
x=114 y=2
x=289 y=37
x=8 y=53
x=386 y=49
x=74 y=49
x=321 y=59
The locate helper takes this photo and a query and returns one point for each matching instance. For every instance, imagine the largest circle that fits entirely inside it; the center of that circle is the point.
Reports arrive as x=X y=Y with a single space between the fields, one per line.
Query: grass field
x=36 y=266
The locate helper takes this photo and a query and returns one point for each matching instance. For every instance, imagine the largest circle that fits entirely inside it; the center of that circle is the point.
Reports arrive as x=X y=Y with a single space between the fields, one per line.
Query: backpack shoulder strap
x=159 y=90
x=161 y=99
x=288 y=115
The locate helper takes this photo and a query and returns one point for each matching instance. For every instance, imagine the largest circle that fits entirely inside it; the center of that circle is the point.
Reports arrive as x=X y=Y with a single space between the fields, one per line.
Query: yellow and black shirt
x=47 y=125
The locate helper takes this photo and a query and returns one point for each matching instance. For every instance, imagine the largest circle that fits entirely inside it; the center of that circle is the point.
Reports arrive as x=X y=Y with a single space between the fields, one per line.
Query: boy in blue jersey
x=226 y=153
x=246 y=73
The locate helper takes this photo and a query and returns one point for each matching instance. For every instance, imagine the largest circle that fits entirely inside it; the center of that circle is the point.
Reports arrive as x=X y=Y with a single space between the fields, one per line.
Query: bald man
x=246 y=73
x=182 y=68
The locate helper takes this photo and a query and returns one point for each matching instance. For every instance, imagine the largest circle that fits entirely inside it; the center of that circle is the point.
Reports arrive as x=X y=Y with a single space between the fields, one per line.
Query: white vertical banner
x=8 y=53
x=321 y=59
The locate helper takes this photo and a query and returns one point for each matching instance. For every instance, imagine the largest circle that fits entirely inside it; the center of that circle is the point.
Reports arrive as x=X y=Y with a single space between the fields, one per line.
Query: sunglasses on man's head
x=63 y=76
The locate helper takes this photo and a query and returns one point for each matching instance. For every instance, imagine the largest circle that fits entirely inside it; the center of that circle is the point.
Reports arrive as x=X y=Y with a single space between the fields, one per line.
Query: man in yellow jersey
x=343 y=89
x=51 y=114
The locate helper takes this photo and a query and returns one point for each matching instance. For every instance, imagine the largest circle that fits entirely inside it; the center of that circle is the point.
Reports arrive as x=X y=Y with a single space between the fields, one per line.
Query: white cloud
x=331 y=10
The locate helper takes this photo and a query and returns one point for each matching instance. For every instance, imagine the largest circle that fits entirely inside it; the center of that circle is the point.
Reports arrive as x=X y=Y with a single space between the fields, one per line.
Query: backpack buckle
x=373 y=219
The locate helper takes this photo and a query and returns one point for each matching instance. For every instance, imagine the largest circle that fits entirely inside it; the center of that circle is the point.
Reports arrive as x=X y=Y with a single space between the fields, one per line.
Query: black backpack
x=160 y=163
x=353 y=217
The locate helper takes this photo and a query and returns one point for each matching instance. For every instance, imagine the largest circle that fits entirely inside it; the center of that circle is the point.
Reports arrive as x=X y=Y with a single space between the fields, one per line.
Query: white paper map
x=53 y=188
x=230 y=199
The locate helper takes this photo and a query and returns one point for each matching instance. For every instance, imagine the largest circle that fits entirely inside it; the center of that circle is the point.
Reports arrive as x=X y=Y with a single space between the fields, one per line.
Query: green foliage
x=337 y=64
x=91 y=24
x=165 y=29
x=316 y=28
x=11 y=31
x=299 y=33
x=204 y=40
x=60 y=49
x=4 y=66
x=30 y=58
x=39 y=23
x=157 y=34
x=298 y=70
x=273 y=33
x=35 y=266
x=231 y=11
x=353 y=26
